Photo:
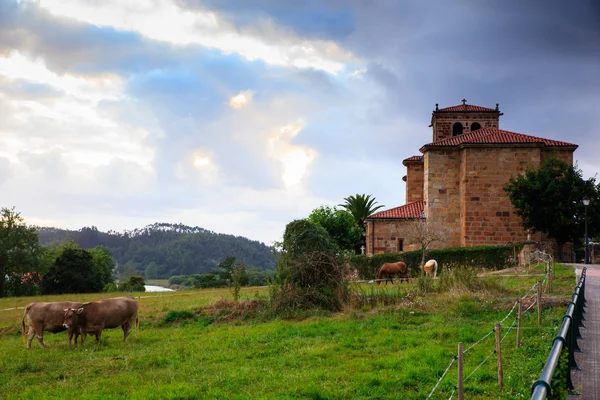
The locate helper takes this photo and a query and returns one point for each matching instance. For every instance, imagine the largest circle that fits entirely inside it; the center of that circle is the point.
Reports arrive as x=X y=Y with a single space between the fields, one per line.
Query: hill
x=176 y=249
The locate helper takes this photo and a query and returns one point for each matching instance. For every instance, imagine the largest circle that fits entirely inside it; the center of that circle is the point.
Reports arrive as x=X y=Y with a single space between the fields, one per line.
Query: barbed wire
x=442 y=377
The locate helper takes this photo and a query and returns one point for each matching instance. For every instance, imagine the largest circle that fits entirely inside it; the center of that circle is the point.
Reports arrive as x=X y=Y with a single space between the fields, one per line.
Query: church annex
x=457 y=182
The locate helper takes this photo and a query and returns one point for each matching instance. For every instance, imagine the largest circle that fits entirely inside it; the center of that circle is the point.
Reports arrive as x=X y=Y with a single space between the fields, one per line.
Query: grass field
x=374 y=352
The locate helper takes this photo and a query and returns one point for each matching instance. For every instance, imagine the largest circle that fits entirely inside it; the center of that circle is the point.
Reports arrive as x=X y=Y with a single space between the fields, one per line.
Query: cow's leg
x=98 y=334
x=71 y=330
x=83 y=335
x=40 y=338
x=126 y=329
x=30 y=336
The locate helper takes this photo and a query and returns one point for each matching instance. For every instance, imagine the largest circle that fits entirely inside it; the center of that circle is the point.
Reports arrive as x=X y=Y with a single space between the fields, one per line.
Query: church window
x=475 y=126
x=457 y=129
x=400 y=245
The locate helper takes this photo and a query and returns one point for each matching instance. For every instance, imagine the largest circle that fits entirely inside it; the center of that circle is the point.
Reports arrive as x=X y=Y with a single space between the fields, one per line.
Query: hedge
x=488 y=257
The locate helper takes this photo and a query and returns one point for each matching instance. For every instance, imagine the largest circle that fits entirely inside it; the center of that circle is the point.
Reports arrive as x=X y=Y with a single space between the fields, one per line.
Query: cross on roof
x=464 y=101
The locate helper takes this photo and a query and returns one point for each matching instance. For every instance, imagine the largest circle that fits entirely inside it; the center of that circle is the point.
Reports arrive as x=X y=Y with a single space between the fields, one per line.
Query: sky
x=241 y=116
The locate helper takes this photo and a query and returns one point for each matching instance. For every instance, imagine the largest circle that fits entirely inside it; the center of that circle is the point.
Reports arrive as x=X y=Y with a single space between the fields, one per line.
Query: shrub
x=310 y=270
x=488 y=257
x=178 y=316
x=133 y=284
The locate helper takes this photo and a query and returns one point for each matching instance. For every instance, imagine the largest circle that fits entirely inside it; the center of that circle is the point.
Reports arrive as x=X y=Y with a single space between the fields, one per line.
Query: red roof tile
x=410 y=210
x=466 y=108
x=496 y=136
x=412 y=158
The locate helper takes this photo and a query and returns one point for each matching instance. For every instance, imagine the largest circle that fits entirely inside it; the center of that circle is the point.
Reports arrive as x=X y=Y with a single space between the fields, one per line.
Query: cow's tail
x=136 y=325
x=23 y=321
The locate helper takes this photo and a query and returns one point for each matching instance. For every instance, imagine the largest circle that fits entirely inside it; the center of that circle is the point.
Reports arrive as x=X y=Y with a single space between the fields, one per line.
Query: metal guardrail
x=566 y=338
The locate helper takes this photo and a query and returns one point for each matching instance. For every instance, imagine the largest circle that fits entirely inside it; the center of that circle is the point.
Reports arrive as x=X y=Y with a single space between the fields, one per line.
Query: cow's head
x=71 y=315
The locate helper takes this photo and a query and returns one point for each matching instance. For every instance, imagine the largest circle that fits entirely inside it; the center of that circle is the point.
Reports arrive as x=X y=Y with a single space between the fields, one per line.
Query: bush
x=487 y=257
x=178 y=316
x=133 y=284
x=310 y=270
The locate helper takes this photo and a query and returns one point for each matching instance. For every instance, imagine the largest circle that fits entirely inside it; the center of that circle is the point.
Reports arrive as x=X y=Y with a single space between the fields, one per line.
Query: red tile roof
x=410 y=210
x=412 y=158
x=466 y=108
x=495 y=136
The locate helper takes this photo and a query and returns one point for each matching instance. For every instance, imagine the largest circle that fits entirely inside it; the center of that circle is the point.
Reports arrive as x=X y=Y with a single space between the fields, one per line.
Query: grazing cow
x=47 y=317
x=95 y=316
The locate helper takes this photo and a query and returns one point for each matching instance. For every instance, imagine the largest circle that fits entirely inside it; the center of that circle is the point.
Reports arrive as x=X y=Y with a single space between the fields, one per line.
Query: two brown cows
x=82 y=318
x=95 y=316
x=47 y=317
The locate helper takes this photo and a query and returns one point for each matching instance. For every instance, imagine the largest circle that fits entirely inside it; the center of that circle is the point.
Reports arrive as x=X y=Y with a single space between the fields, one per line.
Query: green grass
x=381 y=352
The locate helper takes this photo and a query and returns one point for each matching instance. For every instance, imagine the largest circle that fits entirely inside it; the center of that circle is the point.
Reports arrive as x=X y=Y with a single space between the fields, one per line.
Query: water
x=151 y=288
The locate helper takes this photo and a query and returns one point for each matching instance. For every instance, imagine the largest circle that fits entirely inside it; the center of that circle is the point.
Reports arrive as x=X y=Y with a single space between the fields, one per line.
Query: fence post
x=539 y=303
x=499 y=356
x=519 y=322
x=17 y=310
x=461 y=394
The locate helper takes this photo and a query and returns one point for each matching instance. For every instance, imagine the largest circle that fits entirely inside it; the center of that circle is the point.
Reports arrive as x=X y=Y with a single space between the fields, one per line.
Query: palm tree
x=361 y=206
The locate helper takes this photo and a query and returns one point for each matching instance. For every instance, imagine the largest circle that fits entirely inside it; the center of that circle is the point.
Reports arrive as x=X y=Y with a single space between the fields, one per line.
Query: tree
x=549 y=200
x=425 y=234
x=152 y=271
x=133 y=284
x=340 y=225
x=310 y=270
x=19 y=248
x=361 y=206
x=72 y=272
x=103 y=264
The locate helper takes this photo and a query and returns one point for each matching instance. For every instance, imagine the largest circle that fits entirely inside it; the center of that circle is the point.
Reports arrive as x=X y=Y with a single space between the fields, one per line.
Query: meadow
x=394 y=342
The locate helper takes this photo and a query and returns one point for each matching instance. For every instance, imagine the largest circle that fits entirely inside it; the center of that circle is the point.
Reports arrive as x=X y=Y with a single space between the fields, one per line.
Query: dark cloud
x=315 y=19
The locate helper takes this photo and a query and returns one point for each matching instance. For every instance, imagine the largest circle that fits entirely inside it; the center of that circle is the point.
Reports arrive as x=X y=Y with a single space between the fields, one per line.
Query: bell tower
x=462 y=119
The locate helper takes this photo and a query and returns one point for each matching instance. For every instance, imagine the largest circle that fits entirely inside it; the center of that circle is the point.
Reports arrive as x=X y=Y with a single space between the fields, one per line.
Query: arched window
x=475 y=126
x=457 y=129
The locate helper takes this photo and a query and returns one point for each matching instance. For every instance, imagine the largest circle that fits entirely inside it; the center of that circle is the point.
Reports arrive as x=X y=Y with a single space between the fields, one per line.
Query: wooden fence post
x=519 y=312
x=461 y=394
x=499 y=356
x=539 y=303
x=17 y=310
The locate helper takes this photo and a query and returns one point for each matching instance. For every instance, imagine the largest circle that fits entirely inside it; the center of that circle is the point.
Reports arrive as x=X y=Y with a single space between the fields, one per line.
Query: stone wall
x=414 y=181
x=442 y=194
x=563 y=155
x=383 y=236
x=487 y=215
x=443 y=122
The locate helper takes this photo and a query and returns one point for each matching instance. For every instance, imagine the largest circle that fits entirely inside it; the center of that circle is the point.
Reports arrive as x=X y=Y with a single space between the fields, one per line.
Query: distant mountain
x=176 y=249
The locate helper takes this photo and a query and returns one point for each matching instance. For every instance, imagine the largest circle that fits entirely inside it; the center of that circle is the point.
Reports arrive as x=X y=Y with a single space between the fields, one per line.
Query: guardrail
x=566 y=338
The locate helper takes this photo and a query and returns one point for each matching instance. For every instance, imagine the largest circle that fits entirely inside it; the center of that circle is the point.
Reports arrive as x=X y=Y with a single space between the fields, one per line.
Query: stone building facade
x=457 y=184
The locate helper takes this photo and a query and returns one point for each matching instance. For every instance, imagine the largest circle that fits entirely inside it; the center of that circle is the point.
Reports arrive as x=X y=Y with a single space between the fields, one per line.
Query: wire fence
x=510 y=326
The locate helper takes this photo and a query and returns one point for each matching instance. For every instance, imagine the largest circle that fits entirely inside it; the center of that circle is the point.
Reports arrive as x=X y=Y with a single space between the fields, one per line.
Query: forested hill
x=175 y=249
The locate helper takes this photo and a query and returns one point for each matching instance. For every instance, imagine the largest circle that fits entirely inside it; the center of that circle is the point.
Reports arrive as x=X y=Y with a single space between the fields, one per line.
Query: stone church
x=457 y=182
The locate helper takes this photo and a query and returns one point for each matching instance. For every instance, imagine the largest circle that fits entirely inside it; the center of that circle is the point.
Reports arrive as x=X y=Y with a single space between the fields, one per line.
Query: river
x=151 y=288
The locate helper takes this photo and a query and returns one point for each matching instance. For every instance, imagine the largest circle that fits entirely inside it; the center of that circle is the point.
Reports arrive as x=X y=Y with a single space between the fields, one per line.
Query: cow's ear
x=79 y=310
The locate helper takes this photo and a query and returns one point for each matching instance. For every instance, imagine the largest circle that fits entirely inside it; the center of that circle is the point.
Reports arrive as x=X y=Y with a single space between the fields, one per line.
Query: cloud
x=241 y=99
x=179 y=26
x=241 y=116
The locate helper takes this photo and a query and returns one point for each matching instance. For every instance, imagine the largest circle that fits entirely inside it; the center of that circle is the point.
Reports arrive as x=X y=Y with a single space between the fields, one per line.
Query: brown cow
x=95 y=316
x=47 y=317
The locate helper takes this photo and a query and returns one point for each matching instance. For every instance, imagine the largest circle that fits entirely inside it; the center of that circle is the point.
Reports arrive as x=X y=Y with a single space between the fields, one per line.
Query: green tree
x=72 y=272
x=310 y=270
x=103 y=264
x=549 y=200
x=151 y=271
x=361 y=206
x=133 y=284
x=19 y=248
x=340 y=225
